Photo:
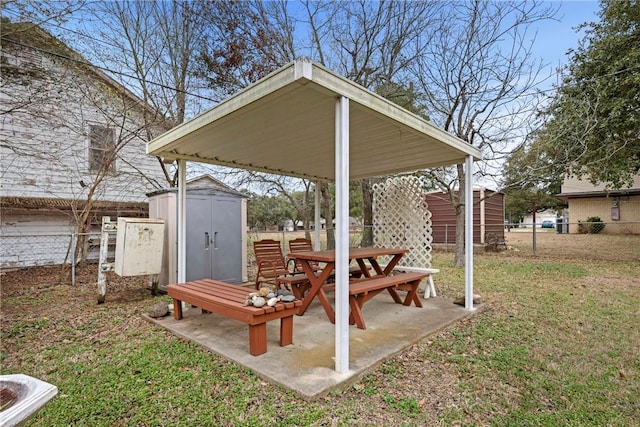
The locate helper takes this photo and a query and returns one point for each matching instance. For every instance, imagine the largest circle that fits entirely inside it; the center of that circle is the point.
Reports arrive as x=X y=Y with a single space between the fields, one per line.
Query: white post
x=468 y=234
x=74 y=240
x=244 y=240
x=316 y=219
x=103 y=265
x=182 y=221
x=342 y=236
x=483 y=219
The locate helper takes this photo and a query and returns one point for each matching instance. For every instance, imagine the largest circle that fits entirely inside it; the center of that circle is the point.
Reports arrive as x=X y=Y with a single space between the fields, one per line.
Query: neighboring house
x=619 y=209
x=72 y=148
x=488 y=216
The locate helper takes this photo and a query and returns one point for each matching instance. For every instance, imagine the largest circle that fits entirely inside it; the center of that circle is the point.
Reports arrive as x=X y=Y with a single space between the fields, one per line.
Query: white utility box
x=139 y=246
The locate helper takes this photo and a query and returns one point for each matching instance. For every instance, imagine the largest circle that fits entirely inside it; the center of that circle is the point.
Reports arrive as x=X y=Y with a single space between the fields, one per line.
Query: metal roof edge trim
x=600 y=193
x=256 y=168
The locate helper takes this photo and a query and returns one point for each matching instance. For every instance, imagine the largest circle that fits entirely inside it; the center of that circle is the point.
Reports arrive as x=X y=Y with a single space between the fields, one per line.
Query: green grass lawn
x=557 y=344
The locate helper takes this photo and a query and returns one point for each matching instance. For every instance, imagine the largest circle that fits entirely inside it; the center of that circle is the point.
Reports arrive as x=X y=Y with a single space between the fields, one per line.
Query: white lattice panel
x=401 y=219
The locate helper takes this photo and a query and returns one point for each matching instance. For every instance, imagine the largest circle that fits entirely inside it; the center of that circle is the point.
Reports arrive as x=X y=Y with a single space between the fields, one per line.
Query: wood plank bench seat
x=362 y=290
x=228 y=300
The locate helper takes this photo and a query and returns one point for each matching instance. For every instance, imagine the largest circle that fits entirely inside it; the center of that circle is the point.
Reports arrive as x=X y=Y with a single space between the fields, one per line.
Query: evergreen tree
x=593 y=123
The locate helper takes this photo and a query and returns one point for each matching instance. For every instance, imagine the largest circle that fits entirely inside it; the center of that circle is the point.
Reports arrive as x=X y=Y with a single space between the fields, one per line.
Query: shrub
x=593 y=225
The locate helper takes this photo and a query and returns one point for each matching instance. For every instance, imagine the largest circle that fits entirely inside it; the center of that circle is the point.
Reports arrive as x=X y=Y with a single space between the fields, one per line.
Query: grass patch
x=557 y=344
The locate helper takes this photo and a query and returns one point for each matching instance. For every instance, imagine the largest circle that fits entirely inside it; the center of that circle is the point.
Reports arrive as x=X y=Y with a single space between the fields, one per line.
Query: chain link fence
x=18 y=251
x=560 y=241
x=615 y=240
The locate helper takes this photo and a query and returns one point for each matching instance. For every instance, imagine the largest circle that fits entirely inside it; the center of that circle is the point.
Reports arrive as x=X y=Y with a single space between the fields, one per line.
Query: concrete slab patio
x=307 y=366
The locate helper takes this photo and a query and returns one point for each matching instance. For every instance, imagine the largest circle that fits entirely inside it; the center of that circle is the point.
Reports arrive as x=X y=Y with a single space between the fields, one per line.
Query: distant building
x=619 y=208
x=488 y=216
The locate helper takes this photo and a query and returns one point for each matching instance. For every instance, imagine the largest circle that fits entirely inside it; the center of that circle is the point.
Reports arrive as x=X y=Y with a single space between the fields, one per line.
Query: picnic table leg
x=394 y=295
x=177 y=309
x=286 y=331
x=412 y=295
x=356 y=312
x=258 y=339
x=376 y=266
x=316 y=288
x=392 y=264
x=363 y=267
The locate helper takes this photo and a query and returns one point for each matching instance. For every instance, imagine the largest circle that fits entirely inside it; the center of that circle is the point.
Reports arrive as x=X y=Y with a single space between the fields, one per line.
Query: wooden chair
x=300 y=245
x=272 y=268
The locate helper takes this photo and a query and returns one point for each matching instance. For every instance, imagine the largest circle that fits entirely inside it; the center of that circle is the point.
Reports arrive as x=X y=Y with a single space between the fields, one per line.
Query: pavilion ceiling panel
x=285 y=124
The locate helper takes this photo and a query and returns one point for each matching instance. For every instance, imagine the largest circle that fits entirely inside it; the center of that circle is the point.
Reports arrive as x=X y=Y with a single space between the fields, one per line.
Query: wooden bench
x=228 y=300
x=362 y=290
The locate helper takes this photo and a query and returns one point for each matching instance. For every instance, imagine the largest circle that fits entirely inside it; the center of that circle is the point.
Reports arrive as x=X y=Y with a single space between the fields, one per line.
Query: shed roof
x=285 y=124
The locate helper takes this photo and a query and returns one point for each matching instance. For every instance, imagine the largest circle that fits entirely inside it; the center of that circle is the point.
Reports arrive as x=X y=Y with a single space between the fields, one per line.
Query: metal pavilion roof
x=285 y=124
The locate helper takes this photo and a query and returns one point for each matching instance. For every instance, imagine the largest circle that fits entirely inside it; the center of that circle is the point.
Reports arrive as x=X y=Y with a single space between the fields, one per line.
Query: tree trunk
x=458 y=203
x=367 y=213
x=81 y=250
x=326 y=211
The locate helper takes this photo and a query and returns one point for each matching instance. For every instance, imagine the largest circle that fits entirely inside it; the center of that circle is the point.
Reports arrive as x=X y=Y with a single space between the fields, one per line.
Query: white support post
x=483 y=218
x=468 y=234
x=316 y=219
x=182 y=221
x=342 y=236
x=103 y=266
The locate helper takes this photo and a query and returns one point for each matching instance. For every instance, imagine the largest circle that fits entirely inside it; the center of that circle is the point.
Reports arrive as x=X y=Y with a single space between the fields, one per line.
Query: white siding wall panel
x=44 y=151
x=34 y=239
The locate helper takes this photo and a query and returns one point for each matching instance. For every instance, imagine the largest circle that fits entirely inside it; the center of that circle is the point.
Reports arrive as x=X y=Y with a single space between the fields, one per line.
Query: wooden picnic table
x=317 y=278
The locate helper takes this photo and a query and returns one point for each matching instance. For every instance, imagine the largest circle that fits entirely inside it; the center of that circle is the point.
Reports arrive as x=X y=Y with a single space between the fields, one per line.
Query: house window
x=101 y=146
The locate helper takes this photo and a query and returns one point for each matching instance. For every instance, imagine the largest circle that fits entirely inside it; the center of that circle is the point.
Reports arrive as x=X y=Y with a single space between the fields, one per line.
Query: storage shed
x=216 y=231
x=488 y=216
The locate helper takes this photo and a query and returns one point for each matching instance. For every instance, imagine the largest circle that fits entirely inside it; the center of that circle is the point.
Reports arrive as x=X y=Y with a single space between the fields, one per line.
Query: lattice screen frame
x=401 y=218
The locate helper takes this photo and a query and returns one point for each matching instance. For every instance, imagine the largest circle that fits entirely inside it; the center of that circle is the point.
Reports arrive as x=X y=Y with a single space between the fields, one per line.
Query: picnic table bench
x=228 y=300
x=362 y=290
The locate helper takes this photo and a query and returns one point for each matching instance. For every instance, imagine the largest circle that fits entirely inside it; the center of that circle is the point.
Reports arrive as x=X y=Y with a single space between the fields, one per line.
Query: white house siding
x=34 y=239
x=45 y=143
x=47 y=105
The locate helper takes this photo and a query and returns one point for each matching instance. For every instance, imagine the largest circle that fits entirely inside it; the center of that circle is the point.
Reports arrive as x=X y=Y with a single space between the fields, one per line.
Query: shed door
x=214 y=240
x=199 y=224
x=226 y=242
